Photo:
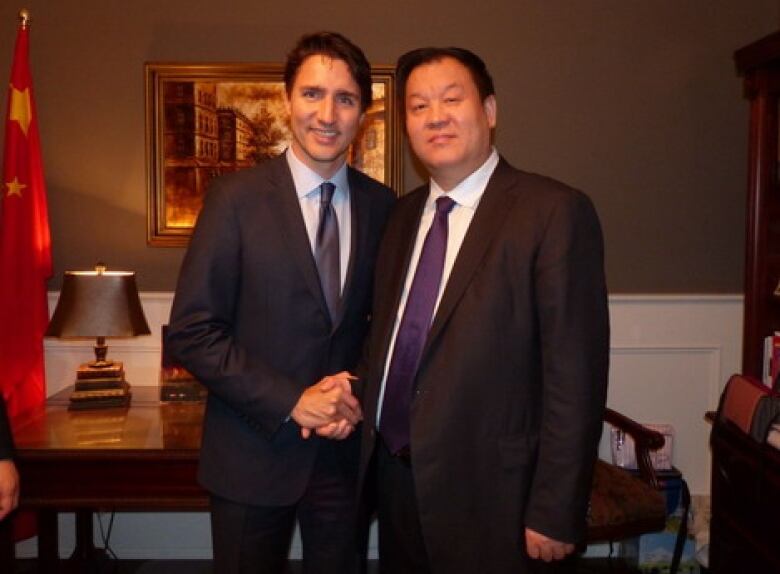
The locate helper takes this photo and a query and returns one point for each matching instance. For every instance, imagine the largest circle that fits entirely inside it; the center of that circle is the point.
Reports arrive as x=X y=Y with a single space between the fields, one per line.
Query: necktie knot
x=444 y=205
x=327 y=189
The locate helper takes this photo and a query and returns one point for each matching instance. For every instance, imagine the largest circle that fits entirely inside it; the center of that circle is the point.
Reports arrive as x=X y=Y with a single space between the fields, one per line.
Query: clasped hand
x=328 y=408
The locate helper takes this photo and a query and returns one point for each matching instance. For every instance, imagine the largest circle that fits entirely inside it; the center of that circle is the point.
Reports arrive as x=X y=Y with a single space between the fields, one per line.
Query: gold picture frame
x=203 y=120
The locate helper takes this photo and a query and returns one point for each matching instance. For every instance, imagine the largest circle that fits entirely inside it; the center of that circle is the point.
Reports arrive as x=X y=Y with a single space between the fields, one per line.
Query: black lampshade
x=98 y=304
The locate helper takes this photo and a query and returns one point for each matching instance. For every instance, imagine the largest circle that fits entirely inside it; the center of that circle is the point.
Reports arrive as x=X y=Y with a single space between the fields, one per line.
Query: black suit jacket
x=250 y=321
x=512 y=381
x=6 y=438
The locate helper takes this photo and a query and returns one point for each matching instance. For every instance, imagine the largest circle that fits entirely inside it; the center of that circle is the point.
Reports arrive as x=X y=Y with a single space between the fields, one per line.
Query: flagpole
x=24 y=18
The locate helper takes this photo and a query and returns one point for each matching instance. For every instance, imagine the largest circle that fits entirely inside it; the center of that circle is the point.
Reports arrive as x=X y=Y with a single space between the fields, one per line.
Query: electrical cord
x=105 y=536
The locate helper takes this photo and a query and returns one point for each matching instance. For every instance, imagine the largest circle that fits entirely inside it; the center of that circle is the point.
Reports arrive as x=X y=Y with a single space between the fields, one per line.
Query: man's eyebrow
x=347 y=93
x=446 y=88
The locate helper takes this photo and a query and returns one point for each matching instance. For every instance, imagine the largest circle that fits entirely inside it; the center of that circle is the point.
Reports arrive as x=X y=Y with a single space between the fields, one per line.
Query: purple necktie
x=326 y=251
x=413 y=330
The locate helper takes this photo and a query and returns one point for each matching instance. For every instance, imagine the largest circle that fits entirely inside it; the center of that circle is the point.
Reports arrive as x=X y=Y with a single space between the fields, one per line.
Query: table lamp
x=99 y=304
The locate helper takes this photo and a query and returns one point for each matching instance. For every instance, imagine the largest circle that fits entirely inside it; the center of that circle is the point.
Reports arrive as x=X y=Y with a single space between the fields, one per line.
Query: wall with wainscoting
x=670 y=358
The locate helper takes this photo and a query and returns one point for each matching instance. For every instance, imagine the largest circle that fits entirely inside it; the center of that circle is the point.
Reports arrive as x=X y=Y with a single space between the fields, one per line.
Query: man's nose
x=437 y=116
x=327 y=112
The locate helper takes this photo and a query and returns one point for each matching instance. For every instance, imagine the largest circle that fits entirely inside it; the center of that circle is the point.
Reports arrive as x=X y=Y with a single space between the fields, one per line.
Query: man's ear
x=489 y=105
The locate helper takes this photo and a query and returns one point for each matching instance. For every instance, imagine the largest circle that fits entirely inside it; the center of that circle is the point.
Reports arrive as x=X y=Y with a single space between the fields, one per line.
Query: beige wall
x=637 y=103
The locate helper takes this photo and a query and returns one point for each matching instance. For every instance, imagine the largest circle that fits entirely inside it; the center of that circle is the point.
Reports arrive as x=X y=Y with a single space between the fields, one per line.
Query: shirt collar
x=469 y=191
x=306 y=180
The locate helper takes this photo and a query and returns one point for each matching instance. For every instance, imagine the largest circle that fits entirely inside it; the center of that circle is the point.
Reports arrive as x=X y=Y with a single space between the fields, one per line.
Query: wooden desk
x=143 y=458
x=745 y=503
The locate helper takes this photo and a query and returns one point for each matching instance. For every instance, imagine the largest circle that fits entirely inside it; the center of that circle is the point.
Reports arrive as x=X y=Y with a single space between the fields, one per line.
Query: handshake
x=328 y=408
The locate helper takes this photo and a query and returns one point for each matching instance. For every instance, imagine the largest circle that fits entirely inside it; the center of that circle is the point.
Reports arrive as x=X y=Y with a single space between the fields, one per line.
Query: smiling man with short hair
x=274 y=294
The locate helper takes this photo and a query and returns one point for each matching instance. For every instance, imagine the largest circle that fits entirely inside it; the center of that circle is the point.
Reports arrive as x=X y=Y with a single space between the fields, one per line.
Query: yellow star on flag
x=15 y=188
x=21 y=110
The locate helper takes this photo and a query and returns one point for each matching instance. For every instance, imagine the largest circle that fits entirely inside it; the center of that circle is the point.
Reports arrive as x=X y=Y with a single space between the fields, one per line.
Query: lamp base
x=99 y=400
x=100 y=364
x=100 y=387
x=101 y=370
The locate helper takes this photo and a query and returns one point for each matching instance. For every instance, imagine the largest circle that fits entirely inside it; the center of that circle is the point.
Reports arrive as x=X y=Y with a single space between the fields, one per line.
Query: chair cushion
x=622 y=505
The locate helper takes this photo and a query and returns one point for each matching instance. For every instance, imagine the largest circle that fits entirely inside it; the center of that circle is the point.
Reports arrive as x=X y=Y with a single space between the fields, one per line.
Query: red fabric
x=741 y=399
x=25 y=250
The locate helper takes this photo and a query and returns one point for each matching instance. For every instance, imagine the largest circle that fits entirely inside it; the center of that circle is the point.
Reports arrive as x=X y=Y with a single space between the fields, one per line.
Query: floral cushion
x=622 y=505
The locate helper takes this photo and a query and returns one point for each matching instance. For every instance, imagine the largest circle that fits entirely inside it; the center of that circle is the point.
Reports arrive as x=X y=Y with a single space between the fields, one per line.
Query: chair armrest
x=645 y=440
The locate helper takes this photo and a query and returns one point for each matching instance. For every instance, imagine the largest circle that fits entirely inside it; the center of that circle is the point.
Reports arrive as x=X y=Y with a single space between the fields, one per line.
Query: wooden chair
x=626 y=504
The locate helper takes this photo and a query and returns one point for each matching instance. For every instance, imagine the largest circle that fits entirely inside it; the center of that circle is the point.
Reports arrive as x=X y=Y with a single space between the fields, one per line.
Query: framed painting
x=203 y=120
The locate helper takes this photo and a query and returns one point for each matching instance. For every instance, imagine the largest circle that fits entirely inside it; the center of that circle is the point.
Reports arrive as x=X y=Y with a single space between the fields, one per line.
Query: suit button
x=372 y=433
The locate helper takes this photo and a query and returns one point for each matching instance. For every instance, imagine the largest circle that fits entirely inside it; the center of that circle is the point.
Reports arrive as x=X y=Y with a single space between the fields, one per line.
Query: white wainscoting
x=670 y=358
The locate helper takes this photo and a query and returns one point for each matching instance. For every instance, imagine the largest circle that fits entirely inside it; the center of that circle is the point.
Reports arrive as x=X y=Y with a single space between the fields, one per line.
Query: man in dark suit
x=274 y=293
x=487 y=365
x=9 y=478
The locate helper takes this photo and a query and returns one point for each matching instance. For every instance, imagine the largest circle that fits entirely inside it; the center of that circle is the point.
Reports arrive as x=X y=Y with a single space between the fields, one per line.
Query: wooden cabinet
x=745 y=503
x=759 y=64
x=746 y=473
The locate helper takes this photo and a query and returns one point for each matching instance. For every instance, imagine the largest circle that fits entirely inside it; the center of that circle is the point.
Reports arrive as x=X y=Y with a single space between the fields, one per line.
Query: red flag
x=25 y=245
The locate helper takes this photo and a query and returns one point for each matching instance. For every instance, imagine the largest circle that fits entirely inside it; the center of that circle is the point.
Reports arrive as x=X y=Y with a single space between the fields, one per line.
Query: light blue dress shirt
x=307 y=187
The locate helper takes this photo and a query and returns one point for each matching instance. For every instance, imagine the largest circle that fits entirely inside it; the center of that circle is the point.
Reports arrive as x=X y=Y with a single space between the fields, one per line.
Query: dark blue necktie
x=413 y=330
x=326 y=251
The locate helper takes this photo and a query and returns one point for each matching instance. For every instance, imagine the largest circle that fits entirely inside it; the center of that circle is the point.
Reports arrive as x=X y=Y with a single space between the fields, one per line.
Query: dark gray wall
x=637 y=103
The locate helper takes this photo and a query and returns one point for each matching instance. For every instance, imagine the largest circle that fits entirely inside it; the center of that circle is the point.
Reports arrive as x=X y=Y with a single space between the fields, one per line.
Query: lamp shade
x=98 y=304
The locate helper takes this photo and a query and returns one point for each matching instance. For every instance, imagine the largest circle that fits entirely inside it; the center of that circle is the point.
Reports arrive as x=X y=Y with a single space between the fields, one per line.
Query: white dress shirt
x=307 y=187
x=466 y=195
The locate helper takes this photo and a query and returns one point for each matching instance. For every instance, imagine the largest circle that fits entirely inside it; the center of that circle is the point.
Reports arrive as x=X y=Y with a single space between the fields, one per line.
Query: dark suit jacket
x=249 y=320
x=6 y=439
x=512 y=381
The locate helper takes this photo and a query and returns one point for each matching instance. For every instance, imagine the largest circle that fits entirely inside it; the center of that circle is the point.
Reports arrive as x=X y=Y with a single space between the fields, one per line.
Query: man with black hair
x=274 y=294
x=487 y=360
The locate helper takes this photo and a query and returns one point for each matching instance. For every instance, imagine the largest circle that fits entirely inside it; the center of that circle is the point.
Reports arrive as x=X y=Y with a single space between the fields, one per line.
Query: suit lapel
x=286 y=203
x=360 y=214
x=496 y=202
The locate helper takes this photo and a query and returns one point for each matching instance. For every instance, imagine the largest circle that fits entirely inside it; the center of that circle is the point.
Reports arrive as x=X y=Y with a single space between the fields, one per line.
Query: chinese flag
x=25 y=250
